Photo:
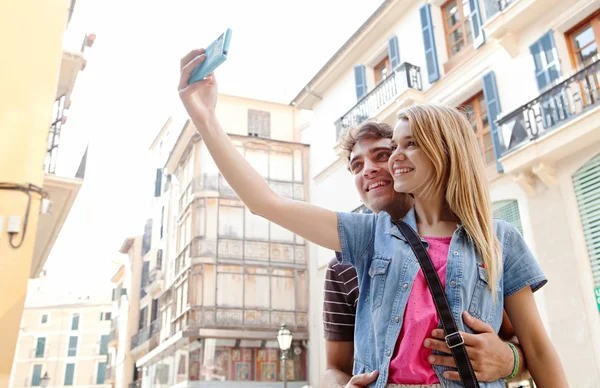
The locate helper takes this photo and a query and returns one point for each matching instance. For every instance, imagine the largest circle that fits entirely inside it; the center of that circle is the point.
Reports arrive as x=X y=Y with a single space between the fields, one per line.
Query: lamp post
x=284 y=337
x=44 y=380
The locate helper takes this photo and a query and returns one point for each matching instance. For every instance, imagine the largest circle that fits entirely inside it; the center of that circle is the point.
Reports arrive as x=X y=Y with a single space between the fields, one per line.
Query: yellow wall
x=31 y=34
x=233 y=116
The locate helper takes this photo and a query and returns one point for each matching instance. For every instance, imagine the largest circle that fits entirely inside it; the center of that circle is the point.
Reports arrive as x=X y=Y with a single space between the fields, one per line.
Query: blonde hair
x=449 y=142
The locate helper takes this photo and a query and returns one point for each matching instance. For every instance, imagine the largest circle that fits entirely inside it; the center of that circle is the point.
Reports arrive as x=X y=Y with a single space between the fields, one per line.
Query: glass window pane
x=231 y=222
x=451 y=14
x=298 y=170
x=586 y=56
x=230 y=290
x=583 y=38
x=75 y=322
x=280 y=166
x=456 y=36
x=209 y=285
x=257 y=227
x=257 y=289
x=456 y=49
x=259 y=159
x=283 y=295
x=302 y=291
x=280 y=234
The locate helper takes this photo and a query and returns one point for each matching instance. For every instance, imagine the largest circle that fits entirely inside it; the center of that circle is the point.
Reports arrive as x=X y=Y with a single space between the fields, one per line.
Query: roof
x=161 y=132
x=307 y=89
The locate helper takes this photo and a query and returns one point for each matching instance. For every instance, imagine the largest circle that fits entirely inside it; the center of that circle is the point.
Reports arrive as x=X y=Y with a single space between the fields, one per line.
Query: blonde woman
x=484 y=265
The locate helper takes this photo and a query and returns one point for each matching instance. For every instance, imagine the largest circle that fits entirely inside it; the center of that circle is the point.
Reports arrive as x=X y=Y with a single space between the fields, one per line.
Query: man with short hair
x=368 y=149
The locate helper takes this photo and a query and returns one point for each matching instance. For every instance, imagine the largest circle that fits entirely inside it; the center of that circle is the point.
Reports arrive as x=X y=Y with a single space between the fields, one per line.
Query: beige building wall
x=58 y=310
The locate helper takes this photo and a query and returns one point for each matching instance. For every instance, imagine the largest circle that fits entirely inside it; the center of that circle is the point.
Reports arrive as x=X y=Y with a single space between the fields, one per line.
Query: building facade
x=63 y=337
x=217 y=282
x=121 y=371
x=526 y=74
x=34 y=99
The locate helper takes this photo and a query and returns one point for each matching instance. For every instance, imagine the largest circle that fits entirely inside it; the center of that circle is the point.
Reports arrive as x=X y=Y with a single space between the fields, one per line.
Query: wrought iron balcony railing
x=140 y=337
x=407 y=76
x=562 y=102
x=155 y=327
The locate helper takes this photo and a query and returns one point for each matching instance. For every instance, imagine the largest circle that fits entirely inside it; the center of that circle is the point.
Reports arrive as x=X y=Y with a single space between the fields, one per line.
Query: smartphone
x=216 y=54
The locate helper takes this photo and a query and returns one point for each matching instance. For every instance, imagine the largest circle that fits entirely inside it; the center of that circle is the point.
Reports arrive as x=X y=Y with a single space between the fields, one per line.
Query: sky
x=128 y=90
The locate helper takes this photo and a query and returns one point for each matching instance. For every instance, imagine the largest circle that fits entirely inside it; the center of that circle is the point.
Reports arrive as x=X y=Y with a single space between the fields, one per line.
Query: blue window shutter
x=104 y=344
x=360 y=81
x=100 y=373
x=492 y=102
x=69 y=372
x=545 y=59
x=393 y=52
x=158 y=183
x=433 y=71
x=475 y=19
x=40 y=347
x=36 y=376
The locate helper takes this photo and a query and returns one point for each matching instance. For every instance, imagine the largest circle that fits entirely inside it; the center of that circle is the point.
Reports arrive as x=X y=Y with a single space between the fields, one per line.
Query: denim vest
x=387 y=267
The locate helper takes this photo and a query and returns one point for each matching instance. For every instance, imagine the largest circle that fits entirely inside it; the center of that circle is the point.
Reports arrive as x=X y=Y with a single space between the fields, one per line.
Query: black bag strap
x=454 y=339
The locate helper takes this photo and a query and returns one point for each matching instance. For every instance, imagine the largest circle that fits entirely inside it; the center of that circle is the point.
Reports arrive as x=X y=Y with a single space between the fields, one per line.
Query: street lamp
x=44 y=380
x=284 y=337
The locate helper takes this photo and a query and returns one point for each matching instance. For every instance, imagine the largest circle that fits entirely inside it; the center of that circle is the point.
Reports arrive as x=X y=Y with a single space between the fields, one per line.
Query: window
x=259 y=123
x=584 y=40
x=100 y=373
x=587 y=192
x=72 y=351
x=231 y=221
x=545 y=59
x=476 y=111
x=104 y=344
x=508 y=211
x=69 y=372
x=44 y=319
x=75 y=322
x=457 y=26
x=36 y=375
x=143 y=318
x=106 y=316
x=382 y=70
x=40 y=347
x=154 y=311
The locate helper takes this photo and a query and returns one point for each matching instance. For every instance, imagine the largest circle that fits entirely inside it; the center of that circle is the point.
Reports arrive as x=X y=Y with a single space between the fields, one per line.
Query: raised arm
x=314 y=223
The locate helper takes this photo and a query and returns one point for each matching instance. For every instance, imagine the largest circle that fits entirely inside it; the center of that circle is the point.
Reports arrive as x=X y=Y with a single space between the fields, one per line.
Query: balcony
x=154 y=334
x=113 y=340
x=402 y=86
x=557 y=123
x=109 y=375
x=156 y=282
x=139 y=342
x=62 y=185
x=239 y=318
x=507 y=18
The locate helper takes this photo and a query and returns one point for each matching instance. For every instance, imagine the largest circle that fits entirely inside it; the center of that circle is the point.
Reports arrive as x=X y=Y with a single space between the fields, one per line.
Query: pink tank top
x=409 y=363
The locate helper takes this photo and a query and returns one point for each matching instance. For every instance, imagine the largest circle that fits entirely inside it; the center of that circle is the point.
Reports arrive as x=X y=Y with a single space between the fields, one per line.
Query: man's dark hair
x=369 y=130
